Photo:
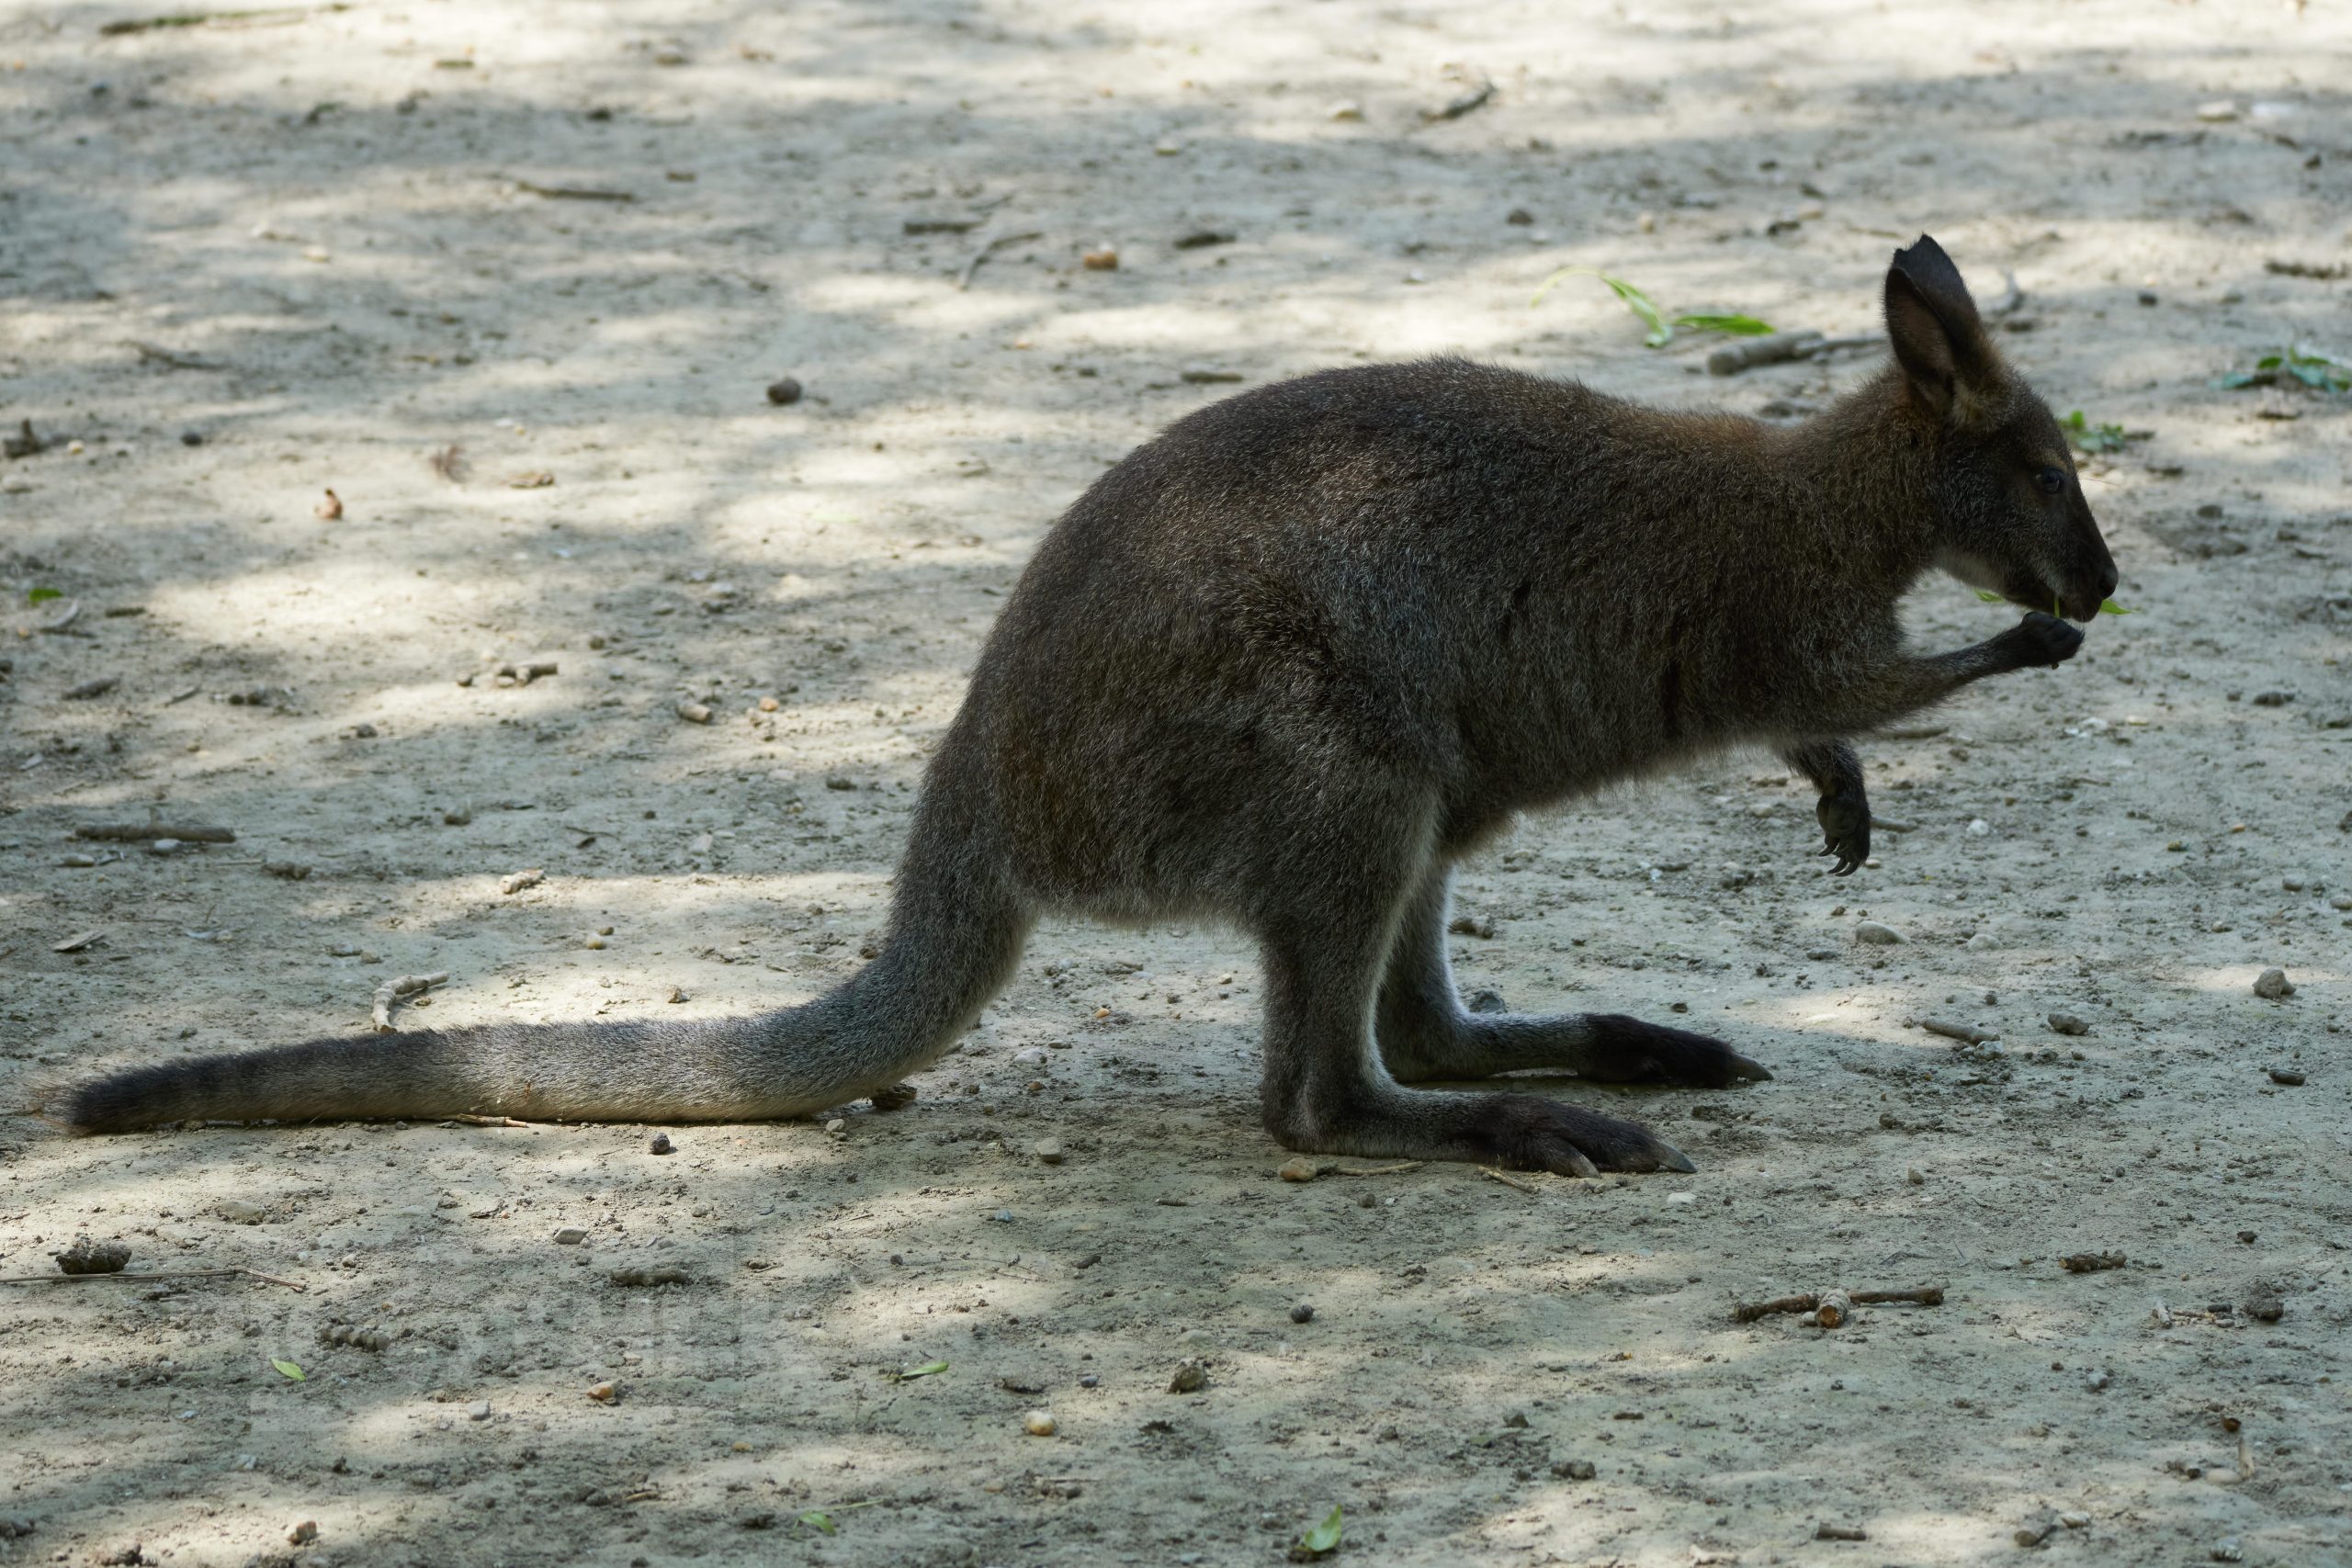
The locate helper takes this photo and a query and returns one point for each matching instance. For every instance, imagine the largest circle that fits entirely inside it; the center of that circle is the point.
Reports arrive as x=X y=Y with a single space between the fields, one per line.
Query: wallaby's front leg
x=1325 y=1090
x=1901 y=684
x=1844 y=809
x=1425 y=1032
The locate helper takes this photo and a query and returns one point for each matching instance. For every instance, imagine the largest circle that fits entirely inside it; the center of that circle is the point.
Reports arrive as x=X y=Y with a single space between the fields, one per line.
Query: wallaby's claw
x=1845 y=818
x=1628 y=1050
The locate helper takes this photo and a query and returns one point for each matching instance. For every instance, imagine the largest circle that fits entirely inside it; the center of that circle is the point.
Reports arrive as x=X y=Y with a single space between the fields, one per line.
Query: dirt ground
x=248 y=262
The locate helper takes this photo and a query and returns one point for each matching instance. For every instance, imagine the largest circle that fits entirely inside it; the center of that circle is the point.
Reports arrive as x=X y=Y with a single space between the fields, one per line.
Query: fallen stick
x=138 y=832
x=394 y=989
x=172 y=356
x=167 y=1274
x=575 y=192
x=1964 y=1032
x=470 y=1120
x=964 y=278
x=1508 y=1181
x=206 y=18
x=1920 y=1295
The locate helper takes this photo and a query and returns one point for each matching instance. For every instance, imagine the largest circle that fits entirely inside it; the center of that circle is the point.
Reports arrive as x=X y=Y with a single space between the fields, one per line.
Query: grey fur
x=1288 y=663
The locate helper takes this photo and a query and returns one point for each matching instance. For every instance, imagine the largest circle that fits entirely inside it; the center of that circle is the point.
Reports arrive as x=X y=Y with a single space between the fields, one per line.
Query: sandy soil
x=247 y=262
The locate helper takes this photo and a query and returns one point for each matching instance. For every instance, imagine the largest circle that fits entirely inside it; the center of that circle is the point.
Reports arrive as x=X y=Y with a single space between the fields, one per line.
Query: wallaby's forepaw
x=2043 y=642
x=1626 y=1050
x=1845 y=817
x=1521 y=1131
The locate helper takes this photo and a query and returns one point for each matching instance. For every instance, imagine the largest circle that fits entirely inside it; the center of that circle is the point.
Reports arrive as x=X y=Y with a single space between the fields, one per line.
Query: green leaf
x=2109 y=607
x=2237 y=379
x=2270 y=362
x=1988 y=596
x=1737 y=326
x=929 y=1369
x=817 y=1519
x=1324 y=1537
x=2309 y=375
x=293 y=1372
x=42 y=595
x=1659 y=334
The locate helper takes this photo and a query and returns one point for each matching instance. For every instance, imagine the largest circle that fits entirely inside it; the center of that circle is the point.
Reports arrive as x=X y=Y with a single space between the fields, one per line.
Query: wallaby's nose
x=2108 y=578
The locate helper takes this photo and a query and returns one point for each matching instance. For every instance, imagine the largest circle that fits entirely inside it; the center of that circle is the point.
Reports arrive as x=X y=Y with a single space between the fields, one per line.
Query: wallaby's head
x=2009 y=512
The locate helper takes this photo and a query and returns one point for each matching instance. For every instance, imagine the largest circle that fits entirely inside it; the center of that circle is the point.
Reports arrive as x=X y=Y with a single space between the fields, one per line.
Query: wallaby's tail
x=956 y=935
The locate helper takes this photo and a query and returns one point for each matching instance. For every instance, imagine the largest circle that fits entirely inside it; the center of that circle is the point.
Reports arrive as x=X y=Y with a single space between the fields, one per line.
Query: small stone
x=1049 y=1151
x=477 y=1411
x=2294 y=881
x=2272 y=984
x=237 y=1211
x=1914 y=1177
x=1827 y=1530
x=677 y=994
x=1105 y=259
x=88 y=1256
x=604 y=1393
x=1303 y=1312
x=660 y=1144
x=784 y=392
x=570 y=1236
x=2095 y=1380
x=1040 y=1424
x=1190 y=1377
x=2067 y=1023
x=2218 y=111
x=1979 y=829
x=594 y=945
x=2265 y=1307
x=303 y=1533
x=1877 y=935
x=1573 y=1469
x=2075 y=1520
x=2287 y=1076
x=1346 y=110
x=1298 y=1169
x=191 y=438
x=1518 y=218
x=2227 y=1550
x=692 y=711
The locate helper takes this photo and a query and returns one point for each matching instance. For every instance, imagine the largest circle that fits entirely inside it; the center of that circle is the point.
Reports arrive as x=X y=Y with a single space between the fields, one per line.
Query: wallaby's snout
x=2009 y=512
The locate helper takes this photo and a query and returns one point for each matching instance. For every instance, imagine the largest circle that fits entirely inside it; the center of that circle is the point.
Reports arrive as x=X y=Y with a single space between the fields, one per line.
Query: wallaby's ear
x=1937 y=338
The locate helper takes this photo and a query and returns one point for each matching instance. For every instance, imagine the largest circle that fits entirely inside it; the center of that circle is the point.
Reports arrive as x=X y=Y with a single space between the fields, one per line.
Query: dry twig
x=167 y=1274
x=394 y=989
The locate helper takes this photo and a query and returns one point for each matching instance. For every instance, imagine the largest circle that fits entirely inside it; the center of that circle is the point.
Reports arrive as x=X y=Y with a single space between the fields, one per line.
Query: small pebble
x=477 y=1411
x=659 y=1143
x=1302 y=1313
x=191 y=438
x=1299 y=1170
x=2067 y=1023
x=677 y=994
x=594 y=945
x=570 y=1236
x=1040 y=1424
x=1049 y=1151
x=1573 y=1469
x=2272 y=984
x=2095 y=1380
x=784 y=392
x=2265 y=1307
x=1979 y=829
x=604 y=1393
x=1877 y=935
x=2287 y=1076
x=303 y=1533
x=2073 y=1520
x=1103 y=260
x=1190 y=1377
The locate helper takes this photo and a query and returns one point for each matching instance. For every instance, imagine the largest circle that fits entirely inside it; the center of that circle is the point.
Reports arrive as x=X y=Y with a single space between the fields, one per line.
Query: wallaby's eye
x=2049 y=481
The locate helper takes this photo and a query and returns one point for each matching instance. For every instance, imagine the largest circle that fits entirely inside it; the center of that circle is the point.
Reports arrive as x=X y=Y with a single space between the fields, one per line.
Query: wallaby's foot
x=1524 y=1131
x=1845 y=818
x=1606 y=1047
x=1626 y=1050
x=1518 y=1132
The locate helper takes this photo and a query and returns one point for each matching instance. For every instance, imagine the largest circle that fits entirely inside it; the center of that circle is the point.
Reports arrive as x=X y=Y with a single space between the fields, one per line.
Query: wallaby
x=1288 y=663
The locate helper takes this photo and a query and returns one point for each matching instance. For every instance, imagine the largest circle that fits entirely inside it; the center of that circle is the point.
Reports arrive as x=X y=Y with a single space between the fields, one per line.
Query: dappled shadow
x=338 y=259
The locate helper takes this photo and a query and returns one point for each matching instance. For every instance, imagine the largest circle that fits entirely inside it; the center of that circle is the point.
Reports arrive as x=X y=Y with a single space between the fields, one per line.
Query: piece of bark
x=1833 y=1309
x=2090 y=1262
x=522 y=879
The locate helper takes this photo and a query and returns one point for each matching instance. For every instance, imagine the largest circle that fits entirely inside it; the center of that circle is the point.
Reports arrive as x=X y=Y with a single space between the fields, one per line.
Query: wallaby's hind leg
x=1425 y=1032
x=1326 y=1091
